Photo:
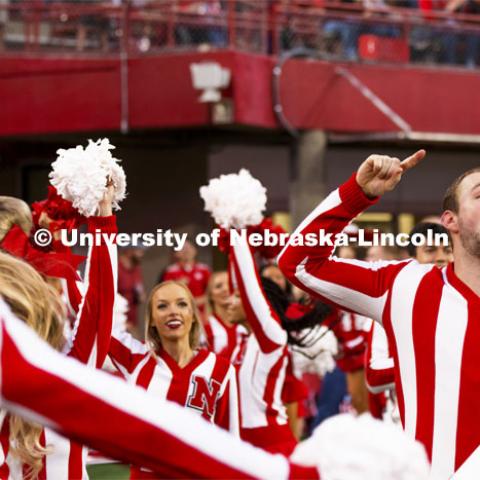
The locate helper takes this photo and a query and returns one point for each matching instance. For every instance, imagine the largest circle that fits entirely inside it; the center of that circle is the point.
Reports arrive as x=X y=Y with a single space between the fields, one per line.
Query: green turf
x=109 y=471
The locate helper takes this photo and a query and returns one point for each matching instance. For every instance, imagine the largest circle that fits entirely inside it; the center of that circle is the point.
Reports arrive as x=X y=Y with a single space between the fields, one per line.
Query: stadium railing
x=336 y=32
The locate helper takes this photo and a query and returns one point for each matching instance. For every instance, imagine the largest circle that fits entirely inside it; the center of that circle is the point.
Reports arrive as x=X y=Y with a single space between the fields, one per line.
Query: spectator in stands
x=470 y=39
x=95 y=21
x=376 y=10
x=130 y=284
x=347 y=31
x=424 y=47
x=331 y=397
x=439 y=255
x=439 y=42
x=186 y=269
x=195 y=15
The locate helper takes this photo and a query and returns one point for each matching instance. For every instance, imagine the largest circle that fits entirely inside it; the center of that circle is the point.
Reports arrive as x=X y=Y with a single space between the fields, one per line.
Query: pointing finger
x=413 y=160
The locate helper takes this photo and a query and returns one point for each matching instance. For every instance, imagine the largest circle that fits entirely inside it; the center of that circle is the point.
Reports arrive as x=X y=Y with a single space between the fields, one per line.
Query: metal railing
x=339 y=31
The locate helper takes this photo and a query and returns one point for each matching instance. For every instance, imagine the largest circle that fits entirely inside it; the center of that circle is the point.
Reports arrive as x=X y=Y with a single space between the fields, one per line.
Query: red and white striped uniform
x=223 y=339
x=207 y=385
x=379 y=369
x=121 y=421
x=351 y=331
x=431 y=320
x=294 y=389
x=262 y=362
x=88 y=344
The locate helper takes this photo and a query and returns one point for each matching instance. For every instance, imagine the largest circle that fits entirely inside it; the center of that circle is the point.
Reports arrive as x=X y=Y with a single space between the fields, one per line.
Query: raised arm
x=262 y=318
x=93 y=325
x=126 y=352
x=119 y=420
x=357 y=286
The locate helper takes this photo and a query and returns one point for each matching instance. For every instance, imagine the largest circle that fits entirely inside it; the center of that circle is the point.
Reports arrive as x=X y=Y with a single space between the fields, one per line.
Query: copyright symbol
x=42 y=237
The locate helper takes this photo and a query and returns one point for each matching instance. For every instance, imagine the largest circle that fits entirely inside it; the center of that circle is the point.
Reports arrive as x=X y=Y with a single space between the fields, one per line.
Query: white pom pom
x=80 y=175
x=235 y=200
x=358 y=448
x=321 y=353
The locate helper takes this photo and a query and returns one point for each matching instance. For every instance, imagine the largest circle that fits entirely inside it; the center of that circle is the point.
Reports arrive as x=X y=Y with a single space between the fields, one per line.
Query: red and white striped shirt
x=431 y=320
x=379 y=370
x=262 y=362
x=351 y=331
x=207 y=385
x=223 y=339
x=123 y=422
x=88 y=344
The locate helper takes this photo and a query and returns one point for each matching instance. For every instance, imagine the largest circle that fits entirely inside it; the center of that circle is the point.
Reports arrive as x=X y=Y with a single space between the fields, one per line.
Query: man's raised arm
x=351 y=284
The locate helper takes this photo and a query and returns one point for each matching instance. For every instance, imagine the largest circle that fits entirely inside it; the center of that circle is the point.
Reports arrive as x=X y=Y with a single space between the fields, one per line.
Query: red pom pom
x=266 y=251
x=297 y=310
x=224 y=241
x=61 y=213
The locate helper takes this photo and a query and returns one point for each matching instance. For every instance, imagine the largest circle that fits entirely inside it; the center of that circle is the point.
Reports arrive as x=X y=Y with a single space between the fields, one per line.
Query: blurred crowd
x=427 y=31
x=424 y=31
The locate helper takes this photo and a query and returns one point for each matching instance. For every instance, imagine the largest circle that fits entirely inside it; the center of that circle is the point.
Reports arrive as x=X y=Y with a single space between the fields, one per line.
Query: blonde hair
x=14 y=211
x=152 y=338
x=210 y=305
x=32 y=300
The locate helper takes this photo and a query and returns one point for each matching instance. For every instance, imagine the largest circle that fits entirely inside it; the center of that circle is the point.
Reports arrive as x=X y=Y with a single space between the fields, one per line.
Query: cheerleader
x=222 y=337
x=295 y=392
x=29 y=450
x=261 y=361
x=14 y=211
x=236 y=201
x=171 y=367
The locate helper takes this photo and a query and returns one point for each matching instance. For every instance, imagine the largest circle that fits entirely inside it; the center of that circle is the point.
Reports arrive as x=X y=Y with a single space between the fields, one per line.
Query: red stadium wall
x=52 y=95
x=39 y=95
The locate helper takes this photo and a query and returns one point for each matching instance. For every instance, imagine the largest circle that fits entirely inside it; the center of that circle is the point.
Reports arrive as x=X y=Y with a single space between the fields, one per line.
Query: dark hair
x=278 y=300
x=424 y=228
x=450 y=200
x=288 y=289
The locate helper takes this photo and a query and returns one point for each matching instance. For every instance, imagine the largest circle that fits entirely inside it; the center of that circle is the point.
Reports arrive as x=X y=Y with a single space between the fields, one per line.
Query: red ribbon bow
x=267 y=252
x=52 y=264
x=60 y=211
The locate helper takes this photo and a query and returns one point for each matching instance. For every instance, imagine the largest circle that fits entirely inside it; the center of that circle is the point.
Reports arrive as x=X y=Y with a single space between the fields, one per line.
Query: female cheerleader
x=169 y=365
x=222 y=336
x=263 y=358
x=28 y=450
